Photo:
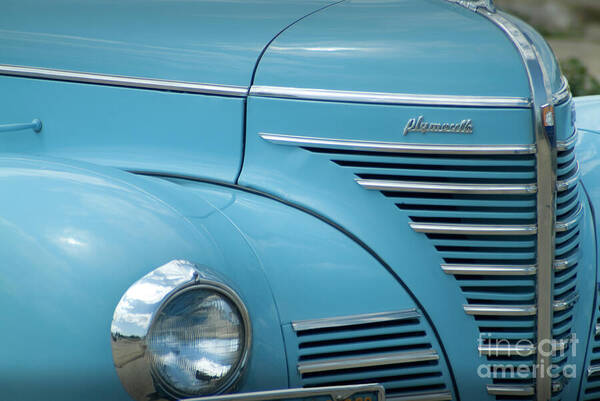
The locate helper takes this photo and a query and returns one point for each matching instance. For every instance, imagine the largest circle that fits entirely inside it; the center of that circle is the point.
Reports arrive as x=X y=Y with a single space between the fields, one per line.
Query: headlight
x=179 y=332
x=196 y=341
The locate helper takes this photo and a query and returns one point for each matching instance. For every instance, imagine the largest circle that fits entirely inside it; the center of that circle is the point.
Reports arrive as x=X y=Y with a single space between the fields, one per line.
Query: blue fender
x=316 y=270
x=74 y=237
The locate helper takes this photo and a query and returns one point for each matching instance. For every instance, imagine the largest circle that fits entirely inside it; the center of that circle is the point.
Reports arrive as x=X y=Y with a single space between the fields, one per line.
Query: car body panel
x=588 y=113
x=305 y=259
x=133 y=129
x=288 y=227
x=215 y=42
x=396 y=46
x=316 y=181
x=588 y=152
x=75 y=236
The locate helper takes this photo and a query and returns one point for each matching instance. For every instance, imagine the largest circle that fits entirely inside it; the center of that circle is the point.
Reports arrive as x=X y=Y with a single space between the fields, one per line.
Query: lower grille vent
x=393 y=349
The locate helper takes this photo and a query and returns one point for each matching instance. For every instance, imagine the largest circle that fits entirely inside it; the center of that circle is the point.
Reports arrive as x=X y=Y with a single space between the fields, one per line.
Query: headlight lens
x=196 y=341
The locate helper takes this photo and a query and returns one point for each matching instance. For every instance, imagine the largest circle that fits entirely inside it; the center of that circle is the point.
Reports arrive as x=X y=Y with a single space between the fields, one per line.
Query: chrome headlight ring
x=170 y=327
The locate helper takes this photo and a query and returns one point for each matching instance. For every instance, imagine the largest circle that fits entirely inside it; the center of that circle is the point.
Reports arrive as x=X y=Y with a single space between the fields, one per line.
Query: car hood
x=401 y=46
x=217 y=42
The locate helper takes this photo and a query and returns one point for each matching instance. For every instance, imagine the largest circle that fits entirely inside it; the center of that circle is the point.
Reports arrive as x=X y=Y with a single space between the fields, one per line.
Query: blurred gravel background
x=572 y=27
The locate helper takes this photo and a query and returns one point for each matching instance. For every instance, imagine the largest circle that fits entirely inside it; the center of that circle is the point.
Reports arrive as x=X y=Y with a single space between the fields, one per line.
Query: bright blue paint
x=588 y=152
x=75 y=237
x=132 y=129
x=414 y=46
x=183 y=40
x=313 y=181
x=588 y=115
x=565 y=126
x=306 y=260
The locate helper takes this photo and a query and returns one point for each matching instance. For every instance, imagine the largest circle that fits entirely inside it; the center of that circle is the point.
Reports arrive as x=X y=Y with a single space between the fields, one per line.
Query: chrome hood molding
x=476 y=4
x=388 y=98
x=276 y=92
x=123 y=81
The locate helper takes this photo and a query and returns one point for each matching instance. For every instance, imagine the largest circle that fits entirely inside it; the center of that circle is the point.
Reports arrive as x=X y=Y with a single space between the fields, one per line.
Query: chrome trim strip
x=395 y=358
x=474 y=229
x=136 y=314
x=506 y=350
x=344 y=321
x=476 y=4
x=490 y=270
x=597 y=331
x=563 y=264
x=510 y=390
x=124 y=81
x=396 y=147
x=564 y=93
x=568 y=143
x=566 y=303
x=546 y=156
x=388 y=98
x=593 y=370
x=334 y=393
x=441 y=396
x=563 y=185
x=567 y=225
x=500 y=310
x=447 y=188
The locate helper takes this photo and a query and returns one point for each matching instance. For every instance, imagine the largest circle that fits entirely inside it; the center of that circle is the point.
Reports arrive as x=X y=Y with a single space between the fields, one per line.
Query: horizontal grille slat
x=422 y=172
x=490 y=270
x=392 y=185
x=388 y=378
x=474 y=229
x=472 y=214
x=368 y=345
x=505 y=242
x=482 y=163
x=459 y=201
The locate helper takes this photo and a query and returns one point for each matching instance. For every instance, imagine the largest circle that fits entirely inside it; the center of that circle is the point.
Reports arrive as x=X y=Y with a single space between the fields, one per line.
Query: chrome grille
x=478 y=207
x=394 y=349
x=479 y=211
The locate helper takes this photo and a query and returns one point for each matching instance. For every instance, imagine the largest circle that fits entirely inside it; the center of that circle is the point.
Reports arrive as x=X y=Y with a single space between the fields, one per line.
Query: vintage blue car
x=310 y=200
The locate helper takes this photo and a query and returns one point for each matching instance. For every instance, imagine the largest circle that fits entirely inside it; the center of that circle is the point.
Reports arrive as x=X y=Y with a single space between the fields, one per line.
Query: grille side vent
x=392 y=348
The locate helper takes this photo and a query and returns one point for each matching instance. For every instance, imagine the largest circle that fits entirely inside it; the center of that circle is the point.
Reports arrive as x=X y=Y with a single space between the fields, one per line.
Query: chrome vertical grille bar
x=546 y=155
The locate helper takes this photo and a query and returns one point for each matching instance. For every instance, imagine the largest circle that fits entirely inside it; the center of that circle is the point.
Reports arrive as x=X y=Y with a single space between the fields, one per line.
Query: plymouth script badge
x=420 y=125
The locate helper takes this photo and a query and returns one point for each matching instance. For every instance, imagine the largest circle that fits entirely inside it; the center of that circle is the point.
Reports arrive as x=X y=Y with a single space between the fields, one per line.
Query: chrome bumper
x=363 y=392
